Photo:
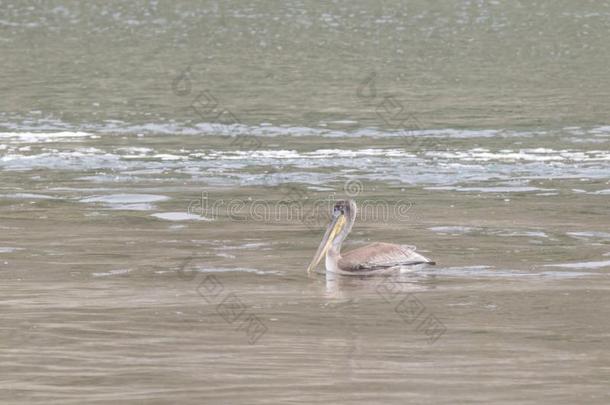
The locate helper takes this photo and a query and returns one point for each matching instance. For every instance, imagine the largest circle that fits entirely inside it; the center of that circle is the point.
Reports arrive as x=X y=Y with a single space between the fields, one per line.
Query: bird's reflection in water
x=349 y=287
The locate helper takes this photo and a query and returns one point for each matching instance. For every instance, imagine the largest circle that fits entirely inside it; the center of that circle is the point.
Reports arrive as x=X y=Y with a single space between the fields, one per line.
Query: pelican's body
x=371 y=259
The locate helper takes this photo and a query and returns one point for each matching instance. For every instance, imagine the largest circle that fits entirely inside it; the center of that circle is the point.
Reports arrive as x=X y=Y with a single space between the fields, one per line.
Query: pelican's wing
x=378 y=256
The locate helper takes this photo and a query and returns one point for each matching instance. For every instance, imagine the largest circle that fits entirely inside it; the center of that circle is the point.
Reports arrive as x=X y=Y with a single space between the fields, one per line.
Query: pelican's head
x=342 y=219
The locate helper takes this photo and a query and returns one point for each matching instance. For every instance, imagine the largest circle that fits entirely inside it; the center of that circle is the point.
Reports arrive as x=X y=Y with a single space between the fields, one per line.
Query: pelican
x=371 y=259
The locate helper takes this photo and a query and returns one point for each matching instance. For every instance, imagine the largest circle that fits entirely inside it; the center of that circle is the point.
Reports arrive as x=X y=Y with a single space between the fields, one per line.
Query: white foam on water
x=27 y=196
x=252 y=245
x=118 y=272
x=125 y=198
x=66 y=160
x=343 y=122
x=455 y=230
x=589 y=235
x=491 y=272
x=463 y=230
x=347 y=153
x=132 y=207
x=565 y=274
x=245 y=246
x=601 y=130
x=523 y=155
x=234 y=270
x=127 y=202
x=226 y=255
x=8 y=249
x=46 y=137
x=473 y=155
x=529 y=234
x=168 y=156
x=582 y=265
x=179 y=216
x=37 y=126
x=453 y=169
x=516 y=189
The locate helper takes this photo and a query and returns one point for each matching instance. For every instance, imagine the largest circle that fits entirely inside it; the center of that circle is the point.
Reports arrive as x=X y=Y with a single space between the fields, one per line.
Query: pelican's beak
x=333 y=229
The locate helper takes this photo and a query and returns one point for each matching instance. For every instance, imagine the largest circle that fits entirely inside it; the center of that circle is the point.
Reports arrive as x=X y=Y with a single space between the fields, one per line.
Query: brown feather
x=379 y=256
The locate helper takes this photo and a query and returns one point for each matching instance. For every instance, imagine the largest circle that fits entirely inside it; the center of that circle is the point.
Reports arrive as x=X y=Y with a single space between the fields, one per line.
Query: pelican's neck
x=340 y=238
x=334 y=253
x=332 y=259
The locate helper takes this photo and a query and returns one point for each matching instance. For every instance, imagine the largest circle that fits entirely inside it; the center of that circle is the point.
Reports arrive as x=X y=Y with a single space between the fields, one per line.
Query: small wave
x=28 y=196
x=463 y=230
x=200 y=269
x=234 y=270
x=127 y=202
x=455 y=230
x=491 y=272
x=38 y=137
x=179 y=216
x=523 y=155
x=125 y=198
x=118 y=272
x=43 y=126
x=589 y=235
x=582 y=265
x=248 y=245
x=8 y=249
x=516 y=189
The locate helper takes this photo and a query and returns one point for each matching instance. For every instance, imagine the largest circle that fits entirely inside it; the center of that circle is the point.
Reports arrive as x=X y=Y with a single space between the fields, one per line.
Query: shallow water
x=166 y=171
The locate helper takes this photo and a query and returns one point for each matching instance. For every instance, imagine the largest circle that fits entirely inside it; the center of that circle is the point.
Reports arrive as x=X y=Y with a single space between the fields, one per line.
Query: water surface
x=165 y=174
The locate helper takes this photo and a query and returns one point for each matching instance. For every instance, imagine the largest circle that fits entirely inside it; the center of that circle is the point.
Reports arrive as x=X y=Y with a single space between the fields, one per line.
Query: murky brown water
x=148 y=151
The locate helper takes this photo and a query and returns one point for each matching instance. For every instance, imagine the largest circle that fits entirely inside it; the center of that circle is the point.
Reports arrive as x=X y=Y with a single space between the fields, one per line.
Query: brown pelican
x=371 y=259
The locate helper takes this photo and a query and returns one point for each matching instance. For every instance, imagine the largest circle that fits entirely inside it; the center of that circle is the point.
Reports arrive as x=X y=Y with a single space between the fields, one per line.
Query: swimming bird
x=371 y=259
